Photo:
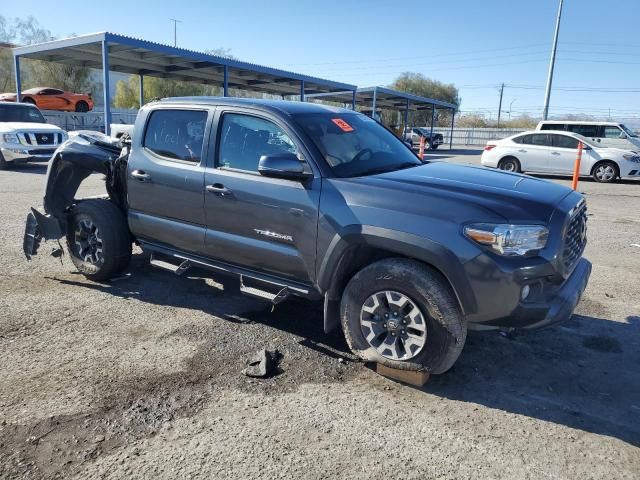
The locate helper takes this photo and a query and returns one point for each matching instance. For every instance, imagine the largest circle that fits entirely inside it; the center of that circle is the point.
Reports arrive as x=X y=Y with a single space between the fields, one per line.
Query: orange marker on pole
x=576 y=167
x=421 y=150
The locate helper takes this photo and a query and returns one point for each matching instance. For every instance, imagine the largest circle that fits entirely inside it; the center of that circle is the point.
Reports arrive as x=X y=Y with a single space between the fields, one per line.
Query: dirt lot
x=140 y=377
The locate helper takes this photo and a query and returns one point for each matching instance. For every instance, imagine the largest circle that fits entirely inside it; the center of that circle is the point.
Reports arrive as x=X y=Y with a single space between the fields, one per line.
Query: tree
x=418 y=84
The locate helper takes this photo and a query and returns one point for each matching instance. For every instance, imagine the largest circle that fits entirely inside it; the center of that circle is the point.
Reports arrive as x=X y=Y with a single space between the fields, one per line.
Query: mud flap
x=331 y=313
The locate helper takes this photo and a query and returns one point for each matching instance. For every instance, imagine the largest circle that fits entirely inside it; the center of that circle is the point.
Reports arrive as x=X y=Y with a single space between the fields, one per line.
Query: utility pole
x=552 y=62
x=175 y=30
x=500 y=104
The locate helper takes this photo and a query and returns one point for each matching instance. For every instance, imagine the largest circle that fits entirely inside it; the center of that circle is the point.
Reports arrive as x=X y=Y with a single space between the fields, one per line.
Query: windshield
x=20 y=113
x=628 y=131
x=353 y=144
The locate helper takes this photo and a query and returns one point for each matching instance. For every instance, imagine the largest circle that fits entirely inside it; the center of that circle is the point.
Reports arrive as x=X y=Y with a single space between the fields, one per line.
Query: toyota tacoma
x=299 y=199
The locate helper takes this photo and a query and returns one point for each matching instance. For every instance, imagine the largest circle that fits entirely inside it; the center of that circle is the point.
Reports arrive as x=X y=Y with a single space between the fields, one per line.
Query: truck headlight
x=508 y=239
x=631 y=157
x=10 y=138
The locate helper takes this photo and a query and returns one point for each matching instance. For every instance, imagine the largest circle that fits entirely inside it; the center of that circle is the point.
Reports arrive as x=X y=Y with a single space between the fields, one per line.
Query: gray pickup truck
x=326 y=204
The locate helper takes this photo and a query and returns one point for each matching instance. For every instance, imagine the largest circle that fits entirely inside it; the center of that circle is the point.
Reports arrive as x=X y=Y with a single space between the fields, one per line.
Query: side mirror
x=284 y=165
x=586 y=147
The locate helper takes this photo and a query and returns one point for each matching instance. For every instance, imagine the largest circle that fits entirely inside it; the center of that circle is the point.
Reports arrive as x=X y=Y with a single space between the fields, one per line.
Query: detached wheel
x=605 y=172
x=98 y=239
x=403 y=314
x=82 y=106
x=510 y=164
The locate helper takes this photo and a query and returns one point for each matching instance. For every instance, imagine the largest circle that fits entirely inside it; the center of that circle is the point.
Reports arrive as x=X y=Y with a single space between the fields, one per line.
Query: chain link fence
x=88 y=121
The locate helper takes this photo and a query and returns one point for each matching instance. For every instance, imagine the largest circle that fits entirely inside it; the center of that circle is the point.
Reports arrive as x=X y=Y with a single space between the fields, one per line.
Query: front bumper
x=22 y=154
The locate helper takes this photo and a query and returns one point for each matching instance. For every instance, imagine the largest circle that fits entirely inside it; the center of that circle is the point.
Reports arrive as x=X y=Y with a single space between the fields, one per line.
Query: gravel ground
x=140 y=377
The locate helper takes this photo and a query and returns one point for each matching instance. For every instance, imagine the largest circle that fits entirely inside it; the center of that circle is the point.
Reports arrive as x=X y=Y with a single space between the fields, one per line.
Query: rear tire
x=605 y=172
x=435 y=147
x=403 y=314
x=98 y=239
x=510 y=164
x=82 y=106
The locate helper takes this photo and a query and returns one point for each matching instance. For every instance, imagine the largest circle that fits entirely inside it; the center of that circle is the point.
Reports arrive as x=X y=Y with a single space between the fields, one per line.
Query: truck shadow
x=584 y=374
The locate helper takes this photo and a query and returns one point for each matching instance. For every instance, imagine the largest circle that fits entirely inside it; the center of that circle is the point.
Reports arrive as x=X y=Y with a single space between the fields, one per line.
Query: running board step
x=170 y=267
x=274 y=298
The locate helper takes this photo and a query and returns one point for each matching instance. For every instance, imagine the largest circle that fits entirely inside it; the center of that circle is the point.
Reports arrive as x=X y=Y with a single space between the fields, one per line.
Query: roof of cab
x=281 y=106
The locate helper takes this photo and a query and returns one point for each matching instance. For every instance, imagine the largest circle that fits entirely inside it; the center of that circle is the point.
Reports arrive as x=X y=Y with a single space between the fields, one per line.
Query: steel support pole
x=353 y=100
x=16 y=66
x=105 y=86
x=406 y=118
x=225 y=82
x=373 y=103
x=302 y=90
x=141 y=90
x=552 y=62
x=453 y=119
x=433 y=119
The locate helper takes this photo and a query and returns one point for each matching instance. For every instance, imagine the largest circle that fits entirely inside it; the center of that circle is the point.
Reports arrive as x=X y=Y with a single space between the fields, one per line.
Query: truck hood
x=515 y=197
x=8 y=127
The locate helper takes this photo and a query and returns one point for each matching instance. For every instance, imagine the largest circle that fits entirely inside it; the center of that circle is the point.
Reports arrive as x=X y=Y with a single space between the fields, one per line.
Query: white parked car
x=555 y=152
x=25 y=135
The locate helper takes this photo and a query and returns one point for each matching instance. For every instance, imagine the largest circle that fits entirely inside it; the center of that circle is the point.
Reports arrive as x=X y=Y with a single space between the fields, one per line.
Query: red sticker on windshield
x=344 y=126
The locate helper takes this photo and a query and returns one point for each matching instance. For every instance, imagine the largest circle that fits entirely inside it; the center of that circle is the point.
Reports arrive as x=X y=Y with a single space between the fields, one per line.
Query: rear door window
x=540 y=139
x=563 y=141
x=176 y=134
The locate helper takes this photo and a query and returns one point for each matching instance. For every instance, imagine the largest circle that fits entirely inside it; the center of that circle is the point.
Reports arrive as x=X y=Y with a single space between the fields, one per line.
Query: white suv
x=555 y=152
x=25 y=135
x=605 y=134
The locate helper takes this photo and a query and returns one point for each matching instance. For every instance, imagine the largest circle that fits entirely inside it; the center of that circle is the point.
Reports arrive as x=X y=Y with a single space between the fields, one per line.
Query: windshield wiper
x=390 y=168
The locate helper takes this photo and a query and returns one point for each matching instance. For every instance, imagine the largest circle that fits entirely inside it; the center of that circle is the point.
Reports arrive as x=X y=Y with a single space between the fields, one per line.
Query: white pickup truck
x=25 y=135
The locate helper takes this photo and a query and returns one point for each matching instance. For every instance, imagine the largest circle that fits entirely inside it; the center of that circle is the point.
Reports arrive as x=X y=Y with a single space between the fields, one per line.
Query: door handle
x=555 y=153
x=218 y=188
x=522 y=150
x=141 y=175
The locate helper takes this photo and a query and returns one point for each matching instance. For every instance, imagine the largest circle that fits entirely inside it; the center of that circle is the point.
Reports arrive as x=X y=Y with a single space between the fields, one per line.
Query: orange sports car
x=53 y=99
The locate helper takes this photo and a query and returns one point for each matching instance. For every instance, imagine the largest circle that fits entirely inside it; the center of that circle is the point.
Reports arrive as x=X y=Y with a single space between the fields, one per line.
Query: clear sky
x=475 y=44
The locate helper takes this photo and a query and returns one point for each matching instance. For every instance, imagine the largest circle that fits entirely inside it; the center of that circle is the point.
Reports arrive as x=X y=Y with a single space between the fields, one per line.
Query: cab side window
x=176 y=134
x=244 y=139
x=612 y=132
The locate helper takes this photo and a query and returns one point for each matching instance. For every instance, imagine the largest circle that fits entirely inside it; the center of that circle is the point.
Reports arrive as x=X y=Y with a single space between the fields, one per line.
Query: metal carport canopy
x=119 y=53
x=382 y=97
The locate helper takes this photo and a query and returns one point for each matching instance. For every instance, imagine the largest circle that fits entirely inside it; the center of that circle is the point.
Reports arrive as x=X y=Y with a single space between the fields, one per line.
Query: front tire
x=98 y=239
x=435 y=147
x=4 y=165
x=29 y=100
x=403 y=314
x=605 y=172
x=510 y=164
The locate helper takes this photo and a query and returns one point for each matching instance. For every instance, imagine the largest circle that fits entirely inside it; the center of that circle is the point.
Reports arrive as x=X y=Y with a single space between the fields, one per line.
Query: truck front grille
x=575 y=239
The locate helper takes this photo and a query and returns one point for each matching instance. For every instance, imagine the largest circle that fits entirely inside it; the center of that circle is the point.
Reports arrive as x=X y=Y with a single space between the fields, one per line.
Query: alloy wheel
x=393 y=325
x=88 y=242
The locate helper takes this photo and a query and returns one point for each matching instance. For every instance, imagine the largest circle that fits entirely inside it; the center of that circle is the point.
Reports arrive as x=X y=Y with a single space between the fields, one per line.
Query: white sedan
x=555 y=152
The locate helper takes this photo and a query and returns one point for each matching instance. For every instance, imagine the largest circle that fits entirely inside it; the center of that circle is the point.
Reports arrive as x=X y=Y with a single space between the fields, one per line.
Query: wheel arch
x=352 y=251
x=604 y=160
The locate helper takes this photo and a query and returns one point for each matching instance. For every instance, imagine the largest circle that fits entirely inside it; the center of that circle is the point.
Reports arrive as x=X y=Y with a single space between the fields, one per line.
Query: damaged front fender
x=70 y=165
